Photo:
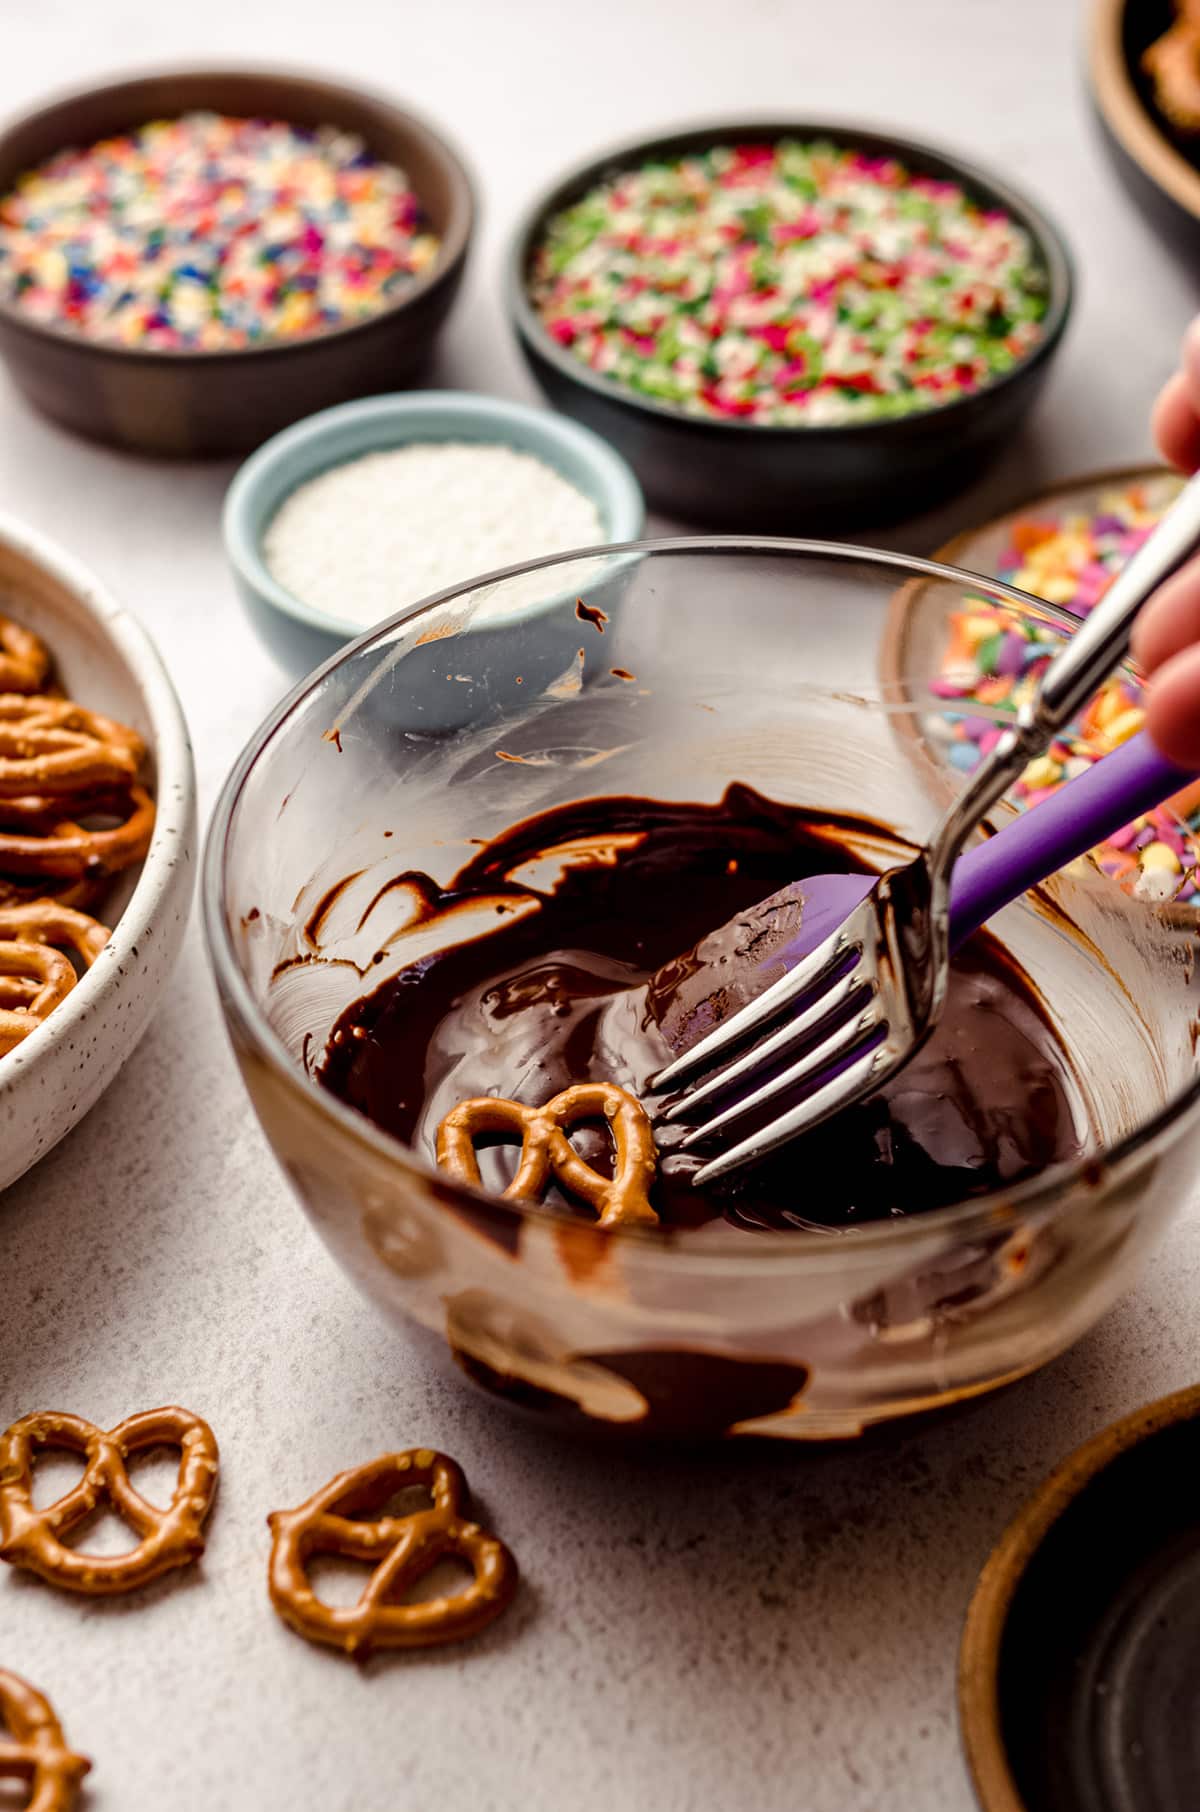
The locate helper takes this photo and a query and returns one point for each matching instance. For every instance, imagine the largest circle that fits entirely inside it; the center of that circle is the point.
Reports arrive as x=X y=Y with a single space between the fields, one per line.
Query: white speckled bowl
x=106 y=660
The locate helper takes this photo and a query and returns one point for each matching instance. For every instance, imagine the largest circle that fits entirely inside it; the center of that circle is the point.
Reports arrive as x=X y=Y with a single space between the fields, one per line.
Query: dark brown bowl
x=744 y=475
x=1155 y=163
x=1077 y=1680
x=203 y=403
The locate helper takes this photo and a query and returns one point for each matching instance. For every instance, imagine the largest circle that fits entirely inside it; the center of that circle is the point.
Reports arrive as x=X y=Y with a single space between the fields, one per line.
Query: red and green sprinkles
x=211 y=232
x=791 y=284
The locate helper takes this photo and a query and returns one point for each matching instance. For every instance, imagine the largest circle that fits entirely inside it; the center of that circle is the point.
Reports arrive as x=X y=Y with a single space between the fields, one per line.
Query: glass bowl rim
x=711 y=1243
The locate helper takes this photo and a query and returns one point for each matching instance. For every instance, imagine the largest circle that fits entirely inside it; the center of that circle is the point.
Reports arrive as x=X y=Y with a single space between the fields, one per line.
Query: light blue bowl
x=301 y=637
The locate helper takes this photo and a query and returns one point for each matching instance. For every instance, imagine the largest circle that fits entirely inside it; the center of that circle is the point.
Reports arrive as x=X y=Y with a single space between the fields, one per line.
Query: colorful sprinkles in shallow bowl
x=789 y=283
x=210 y=232
x=1067 y=551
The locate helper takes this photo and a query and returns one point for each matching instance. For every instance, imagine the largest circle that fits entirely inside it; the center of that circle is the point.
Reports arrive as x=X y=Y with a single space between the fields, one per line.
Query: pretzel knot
x=30 y=1538
x=35 y=978
x=546 y=1151
x=47 y=836
x=36 y=1750
x=24 y=658
x=405 y=1548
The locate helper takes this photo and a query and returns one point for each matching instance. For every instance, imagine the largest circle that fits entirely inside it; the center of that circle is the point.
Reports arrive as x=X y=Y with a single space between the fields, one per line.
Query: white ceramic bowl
x=106 y=660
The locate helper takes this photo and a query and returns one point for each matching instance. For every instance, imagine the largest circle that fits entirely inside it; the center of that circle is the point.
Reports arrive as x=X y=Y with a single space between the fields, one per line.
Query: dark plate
x=205 y=403
x=1159 y=167
x=741 y=475
x=1079 y=1682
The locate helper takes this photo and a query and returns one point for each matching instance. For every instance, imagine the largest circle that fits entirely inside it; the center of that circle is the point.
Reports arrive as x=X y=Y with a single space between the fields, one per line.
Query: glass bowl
x=695 y=663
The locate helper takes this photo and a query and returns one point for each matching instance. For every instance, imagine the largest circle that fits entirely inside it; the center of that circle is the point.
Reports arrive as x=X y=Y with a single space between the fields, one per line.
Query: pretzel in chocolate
x=31 y=1538
x=24 y=658
x=41 y=836
x=35 y=1749
x=405 y=1548
x=620 y=1200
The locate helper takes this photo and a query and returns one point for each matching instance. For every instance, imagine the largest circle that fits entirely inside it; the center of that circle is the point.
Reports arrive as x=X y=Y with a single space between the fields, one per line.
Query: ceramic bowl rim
x=775 y=1249
x=1005 y=1568
x=175 y=789
x=451 y=250
x=1049 y=242
x=622 y=495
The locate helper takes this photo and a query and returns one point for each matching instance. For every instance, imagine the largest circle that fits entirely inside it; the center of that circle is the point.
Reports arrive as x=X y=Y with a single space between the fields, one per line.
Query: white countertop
x=765 y=1635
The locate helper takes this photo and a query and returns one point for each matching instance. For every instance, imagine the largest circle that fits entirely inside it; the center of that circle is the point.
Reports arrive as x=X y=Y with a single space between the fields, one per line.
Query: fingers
x=1169 y=620
x=1175 y=421
x=1173 y=708
x=1176 y=417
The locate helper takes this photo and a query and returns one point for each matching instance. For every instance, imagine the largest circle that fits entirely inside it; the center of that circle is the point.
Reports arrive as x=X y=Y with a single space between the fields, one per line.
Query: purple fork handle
x=1122 y=786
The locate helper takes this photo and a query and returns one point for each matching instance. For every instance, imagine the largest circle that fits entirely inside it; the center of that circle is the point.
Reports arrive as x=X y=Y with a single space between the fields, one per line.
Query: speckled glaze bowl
x=192 y=403
x=744 y=475
x=106 y=660
x=753 y=661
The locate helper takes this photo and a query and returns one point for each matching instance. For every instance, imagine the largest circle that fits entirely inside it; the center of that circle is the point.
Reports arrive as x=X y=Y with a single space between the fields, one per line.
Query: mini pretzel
x=45 y=759
x=33 y=981
x=61 y=891
x=1173 y=64
x=406 y=1548
x=622 y=1200
x=69 y=849
x=44 y=711
x=36 y=1750
x=30 y=1537
x=24 y=658
x=48 y=922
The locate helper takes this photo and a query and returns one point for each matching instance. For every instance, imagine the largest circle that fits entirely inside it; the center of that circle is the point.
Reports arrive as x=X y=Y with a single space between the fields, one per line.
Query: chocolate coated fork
x=866 y=980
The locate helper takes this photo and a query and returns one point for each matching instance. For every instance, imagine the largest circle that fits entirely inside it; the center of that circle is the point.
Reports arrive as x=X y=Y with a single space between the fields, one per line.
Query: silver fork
x=865 y=999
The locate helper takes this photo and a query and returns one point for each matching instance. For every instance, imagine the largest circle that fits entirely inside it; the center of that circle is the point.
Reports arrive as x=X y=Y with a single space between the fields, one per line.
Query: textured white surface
x=769 y=1635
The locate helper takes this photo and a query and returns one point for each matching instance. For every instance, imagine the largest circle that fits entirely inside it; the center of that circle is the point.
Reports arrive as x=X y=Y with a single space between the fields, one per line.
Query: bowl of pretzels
x=97 y=833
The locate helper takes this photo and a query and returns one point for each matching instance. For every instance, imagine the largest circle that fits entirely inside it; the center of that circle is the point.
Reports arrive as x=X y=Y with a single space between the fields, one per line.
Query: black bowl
x=731 y=474
x=1158 y=166
x=202 y=403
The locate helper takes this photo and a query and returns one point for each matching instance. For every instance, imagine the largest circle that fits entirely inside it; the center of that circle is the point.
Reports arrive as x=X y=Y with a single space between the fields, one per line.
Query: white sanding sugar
x=384 y=531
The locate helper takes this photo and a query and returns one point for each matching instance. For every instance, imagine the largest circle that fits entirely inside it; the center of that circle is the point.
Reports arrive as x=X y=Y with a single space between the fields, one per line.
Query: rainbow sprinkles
x=993 y=661
x=210 y=233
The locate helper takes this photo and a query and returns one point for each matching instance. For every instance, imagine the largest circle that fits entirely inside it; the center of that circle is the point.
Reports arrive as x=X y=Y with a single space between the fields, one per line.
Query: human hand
x=1166 y=636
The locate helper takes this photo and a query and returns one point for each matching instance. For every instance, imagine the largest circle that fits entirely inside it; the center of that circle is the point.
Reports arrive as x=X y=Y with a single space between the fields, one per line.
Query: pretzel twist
x=405 y=1548
x=1173 y=64
x=31 y=1538
x=54 y=843
x=46 y=711
x=33 y=981
x=46 y=759
x=59 y=891
x=620 y=1200
x=24 y=658
x=36 y=1750
x=34 y=977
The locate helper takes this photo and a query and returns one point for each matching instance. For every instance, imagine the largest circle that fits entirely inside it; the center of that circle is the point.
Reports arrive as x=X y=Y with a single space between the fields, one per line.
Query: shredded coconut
x=381 y=532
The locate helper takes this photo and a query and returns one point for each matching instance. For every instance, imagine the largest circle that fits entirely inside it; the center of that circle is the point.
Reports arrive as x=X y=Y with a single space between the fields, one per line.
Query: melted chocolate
x=559 y=995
